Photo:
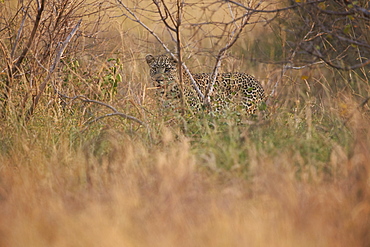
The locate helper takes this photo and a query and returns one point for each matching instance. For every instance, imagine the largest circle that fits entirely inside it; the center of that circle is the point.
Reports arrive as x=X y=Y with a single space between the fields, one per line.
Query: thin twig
x=336 y=66
x=115 y=111
x=273 y=10
x=221 y=54
x=135 y=18
x=19 y=33
x=16 y=65
x=32 y=36
x=52 y=68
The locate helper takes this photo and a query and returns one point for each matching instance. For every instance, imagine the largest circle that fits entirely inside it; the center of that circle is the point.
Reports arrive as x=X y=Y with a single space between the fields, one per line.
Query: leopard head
x=163 y=69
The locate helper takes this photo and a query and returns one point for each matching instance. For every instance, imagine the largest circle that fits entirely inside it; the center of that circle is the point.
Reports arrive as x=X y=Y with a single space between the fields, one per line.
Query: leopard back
x=231 y=90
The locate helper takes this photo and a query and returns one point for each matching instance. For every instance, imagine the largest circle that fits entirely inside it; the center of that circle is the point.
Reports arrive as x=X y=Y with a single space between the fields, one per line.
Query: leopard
x=232 y=90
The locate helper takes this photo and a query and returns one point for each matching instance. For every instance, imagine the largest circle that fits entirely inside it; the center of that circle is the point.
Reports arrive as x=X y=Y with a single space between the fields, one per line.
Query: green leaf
x=322 y=5
x=347 y=29
x=118 y=78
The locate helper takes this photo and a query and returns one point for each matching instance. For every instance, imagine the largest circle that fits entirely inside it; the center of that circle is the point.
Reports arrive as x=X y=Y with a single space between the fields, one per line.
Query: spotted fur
x=231 y=90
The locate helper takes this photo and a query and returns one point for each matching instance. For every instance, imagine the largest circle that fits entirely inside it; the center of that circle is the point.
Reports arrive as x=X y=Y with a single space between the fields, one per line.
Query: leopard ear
x=149 y=58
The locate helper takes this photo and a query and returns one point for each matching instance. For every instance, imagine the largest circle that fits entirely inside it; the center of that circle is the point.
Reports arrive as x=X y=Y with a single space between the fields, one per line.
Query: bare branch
x=32 y=36
x=136 y=19
x=317 y=54
x=336 y=31
x=52 y=68
x=179 y=48
x=8 y=84
x=166 y=16
x=115 y=111
x=114 y=114
x=353 y=67
x=64 y=45
x=273 y=10
x=221 y=54
x=19 y=33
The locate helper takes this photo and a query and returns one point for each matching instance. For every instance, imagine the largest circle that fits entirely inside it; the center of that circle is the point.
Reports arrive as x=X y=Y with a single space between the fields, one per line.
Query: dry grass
x=116 y=190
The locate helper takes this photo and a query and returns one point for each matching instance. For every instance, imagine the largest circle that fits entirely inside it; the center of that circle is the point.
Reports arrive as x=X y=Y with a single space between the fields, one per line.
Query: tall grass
x=298 y=178
x=294 y=175
x=235 y=187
